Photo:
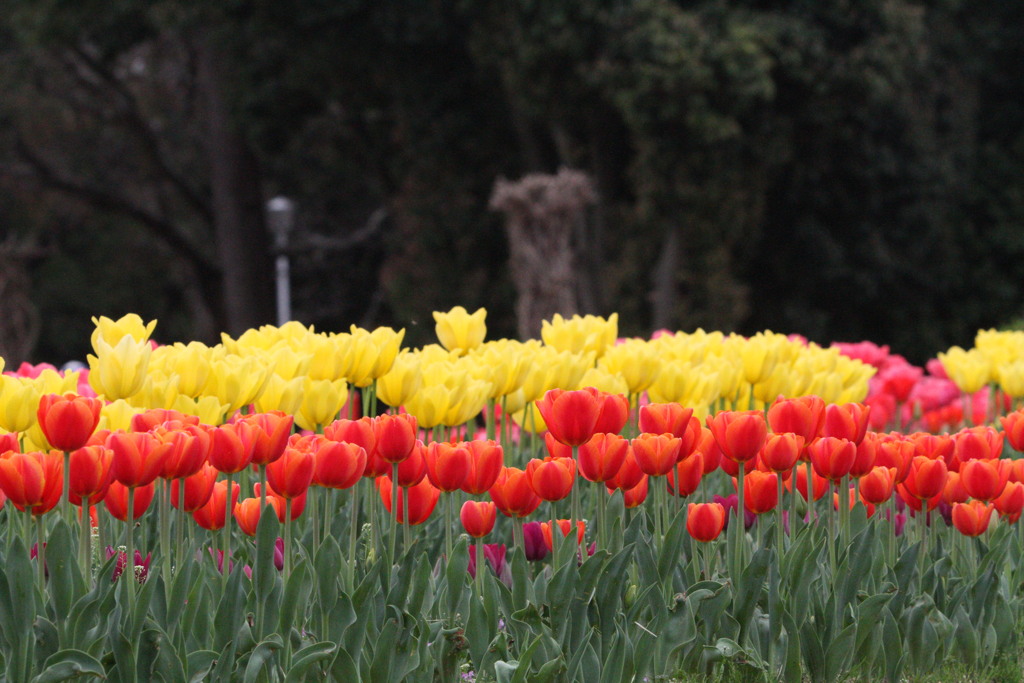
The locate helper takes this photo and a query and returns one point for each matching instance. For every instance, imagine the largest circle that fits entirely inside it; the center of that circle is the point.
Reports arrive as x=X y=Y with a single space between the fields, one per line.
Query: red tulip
x=147 y=420
x=486 y=459
x=656 y=454
x=359 y=432
x=613 y=413
x=1013 y=429
x=32 y=481
x=705 y=521
x=68 y=421
x=339 y=465
x=138 y=457
x=189 y=449
x=851 y=501
x=513 y=494
x=601 y=458
x=564 y=527
x=832 y=457
x=247 y=513
x=819 y=485
x=633 y=497
x=298 y=504
x=971 y=519
x=413 y=469
x=447 y=465
x=231 y=450
x=781 y=451
x=954 y=491
x=629 y=474
x=551 y=478
x=708 y=447
x=803 y=416
x=270 y=436
x=665 y=418
x=478 y=517
x=291 y=473
x=570 y=416
x=877 y=485
x=976 y=443
x=895 y=451
x=732 y=468
x=927 y=478
x=847 y=421
x=422 y=499
x=684 y=478
x=934 y=446
x=867 y=453
x=760 y=491
x=984 y=479
x=555 y=448
x=198 y=489
x=89 y=473
x=116 y=500
x=1011 y=502
x=395 y=436
x=212 y=515
x=739 y=434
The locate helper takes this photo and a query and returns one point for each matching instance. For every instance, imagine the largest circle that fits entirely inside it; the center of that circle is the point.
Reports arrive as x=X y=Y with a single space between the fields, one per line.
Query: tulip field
x=295 y=505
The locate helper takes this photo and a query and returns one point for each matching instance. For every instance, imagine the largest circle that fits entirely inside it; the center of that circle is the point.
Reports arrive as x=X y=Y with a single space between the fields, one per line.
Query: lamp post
x=281 y=221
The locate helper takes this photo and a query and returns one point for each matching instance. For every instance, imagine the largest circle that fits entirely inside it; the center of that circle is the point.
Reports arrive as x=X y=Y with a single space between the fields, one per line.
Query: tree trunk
x=240 y=232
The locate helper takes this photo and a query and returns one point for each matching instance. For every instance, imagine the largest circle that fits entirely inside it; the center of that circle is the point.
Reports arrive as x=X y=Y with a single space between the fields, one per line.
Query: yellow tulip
x=529 y=419
x=117 y=415
x=288 y=363
x=119 y=371
x=236 y=381
x=190 y=363
x=635 y=361
x=581 y=334
x=1011 y=378
x=328 y=355
x=504 y=363
x=457 y=330
x=112 y=331
x=514 y=402
x=281 y=394
x=322 y=400
x=208 y=409
x=429 y=405
x=969 y=370
x=158 y=391
x=19 y=400
x=404 y=380
x=602 y=380
x=467 y=402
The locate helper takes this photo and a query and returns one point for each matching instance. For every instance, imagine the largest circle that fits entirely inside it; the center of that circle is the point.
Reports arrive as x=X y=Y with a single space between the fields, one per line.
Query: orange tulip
x=739 y=434
x=954 y=491
x=851 y=501
x=877 y=485
x=413 y=469
x=270 y=436
x=89 y=473
x=760 y=491
x=781 y=451
x=422 y=499
x=231 y=450
x=633 y=497
x=570 y=416
x=803 y=416
x=665 y=418
x=447 y=465
x=116 y=500
x=395 y=436
x=971 y=519
x=291 y=473
x=198 y=489
x=708 y=447
x=189 y=449
x=819 y=485
x=147 y=420
x=486 y=459
x=934 y=446
x=551 y=478
x=656 y=454
x=298 y=504
x=976 y=443
x=1011 y=502
x=629 y=474
x=601 y=458
x=478 y=517
x=359 y=432
x=613 y=413
x=832 y=457
x=513 y=494
x=68 y=421
x=705 y=521
x=1013 y=429
x=927 y=478
x=212 y=515
x=895 y=451
x=338 y=465
x=138 y=457
x=247 y=513
x=32 y=481
x=847 y=421
x=564 y=527
x=684 y=478
x=984 y=479
x=867 y=453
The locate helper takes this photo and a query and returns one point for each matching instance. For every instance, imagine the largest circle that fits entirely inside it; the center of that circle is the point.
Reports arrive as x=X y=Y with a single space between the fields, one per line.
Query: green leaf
x=231 y=610
x=200 y=663
x=261 y=654
x=65 y=583
x=839 y=653
x=68 y=664
x=668 y=559
x=264 y=572
x=296 y=593
x=343 y=669
x=750 y=587
x=456 y=575
x=307 y=657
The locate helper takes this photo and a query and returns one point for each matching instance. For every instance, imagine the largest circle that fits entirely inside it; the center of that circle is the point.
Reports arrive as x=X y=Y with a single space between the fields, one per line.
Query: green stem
x=780 y=535
x=165 y=532
x=394 y=513
x=741 y=515
x=481 y=565
x=85 y=542
x=65 y=499
x=407 y=528
x=40 y=555
x=353 y=534
x=449 y=514
x=517 y=534
x=129 y=543
x=225 y=536
x=287 y=540
x=574 y=496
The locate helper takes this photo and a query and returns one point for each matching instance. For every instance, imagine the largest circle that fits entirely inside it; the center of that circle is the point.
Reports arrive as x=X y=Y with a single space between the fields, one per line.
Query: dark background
x=845 y=170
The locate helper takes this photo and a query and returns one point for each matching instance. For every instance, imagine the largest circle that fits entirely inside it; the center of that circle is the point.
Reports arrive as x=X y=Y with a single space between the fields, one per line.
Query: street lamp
x=281 y=221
